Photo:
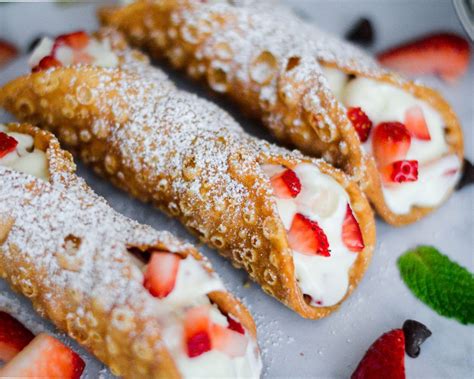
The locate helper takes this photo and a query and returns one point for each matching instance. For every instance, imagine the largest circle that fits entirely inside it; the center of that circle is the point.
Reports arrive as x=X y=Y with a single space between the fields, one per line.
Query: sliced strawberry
x=286 y=184
x=161 y=273
x=306 y=237
x=77 y=40
x=197 y=331
x=235 y=325
x=7 y=144
x=13 y=337
x=351 y=234
x=45 y=357
x=416 y=124
x=384 y=359
x=361 y=122
x=444 y=54
x=227 y=341
x=8 y=52
x=391 y=142
x=400 y=172
x=46 y=63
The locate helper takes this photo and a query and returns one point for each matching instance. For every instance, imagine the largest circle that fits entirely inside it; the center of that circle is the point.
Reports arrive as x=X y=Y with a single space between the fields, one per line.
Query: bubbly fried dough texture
x=186 y=156
x=65 y=249
x=268 y=61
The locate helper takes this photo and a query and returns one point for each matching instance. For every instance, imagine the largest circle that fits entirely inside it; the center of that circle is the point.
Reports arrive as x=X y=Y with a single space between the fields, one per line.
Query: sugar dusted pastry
x=143 y=302
x=400 y=140
x=298 y=226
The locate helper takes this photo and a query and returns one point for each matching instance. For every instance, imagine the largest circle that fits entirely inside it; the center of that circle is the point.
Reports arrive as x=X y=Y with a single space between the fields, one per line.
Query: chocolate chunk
x=361 y=32
x=34 y=43
x=467 y=175
x=415 y=334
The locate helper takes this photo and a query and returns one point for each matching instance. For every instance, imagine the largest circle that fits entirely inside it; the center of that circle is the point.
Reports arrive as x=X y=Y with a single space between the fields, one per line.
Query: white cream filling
x=383 y=102
x=99 y=51
x=322 y=199
x=25 y=157
x=193 y=284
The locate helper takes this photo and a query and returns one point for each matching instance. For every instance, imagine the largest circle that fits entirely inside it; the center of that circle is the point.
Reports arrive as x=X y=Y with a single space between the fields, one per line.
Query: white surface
x=329 y=348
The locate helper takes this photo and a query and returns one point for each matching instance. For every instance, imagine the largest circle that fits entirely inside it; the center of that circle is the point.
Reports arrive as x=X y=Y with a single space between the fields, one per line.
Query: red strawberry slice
x=227 y=341
x=306 y=237
x=161 y=273
x=361 y=122
x=7 y=144
x=351 y=234
x=235 y=325
x=46 y=63
x=444 y=54
x=416 y=124
x=77 y=40
x=45 y=357
x=384 y=359
x=197 y=331
x=286 y=184
x=400 y=172
x=8 y=52
x=13 y=337
x=391 y=142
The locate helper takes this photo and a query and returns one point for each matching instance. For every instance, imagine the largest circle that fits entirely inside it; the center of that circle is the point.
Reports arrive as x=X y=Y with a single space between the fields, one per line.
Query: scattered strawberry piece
x=77 y=40
x=384 y=359
x=197 y=331
x=7 y=144
x=351 y=234
x=13 y=337
x=161 y=273
x=45 y=357
x=235 y=325
x=444 y=54
x=8 y=52
x=391 y=142
x=361 y=122
x=400 y=172
x=227 y=341
x=46 y=63
x=286 y=184
x=306 y=237
x=416 y=124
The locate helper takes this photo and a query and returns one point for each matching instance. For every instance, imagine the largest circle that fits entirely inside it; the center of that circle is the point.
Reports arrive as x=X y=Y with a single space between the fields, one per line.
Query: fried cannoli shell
x=203 y=170
x=92 y=293
x=293 y=99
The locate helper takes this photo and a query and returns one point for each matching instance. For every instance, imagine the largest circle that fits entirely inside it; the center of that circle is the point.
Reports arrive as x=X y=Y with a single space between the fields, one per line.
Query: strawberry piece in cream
x=161 y=273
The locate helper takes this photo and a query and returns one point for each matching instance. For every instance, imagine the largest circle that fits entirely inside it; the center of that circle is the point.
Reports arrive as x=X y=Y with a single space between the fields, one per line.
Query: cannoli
x=141 y=301
x=400 y=140
x=297 y=225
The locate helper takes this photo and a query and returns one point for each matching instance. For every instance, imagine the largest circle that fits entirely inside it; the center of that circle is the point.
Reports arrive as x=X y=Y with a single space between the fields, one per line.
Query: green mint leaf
x=440 y=283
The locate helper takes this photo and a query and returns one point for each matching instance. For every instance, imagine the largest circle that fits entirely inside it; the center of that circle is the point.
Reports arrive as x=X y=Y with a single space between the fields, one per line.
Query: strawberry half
x=227 y=341
x=306 y=237
x=45 y=357
x=351 y=234
x=161 y=273
x=384 y=359
x=13 y=337
x=77 y=40
x=416 y=124
x=391 y=142
x=361 y=122
x=8 y=52
x=444 y=54
x=286 y=184
x=197 y=331
x=46 y=63
x=235 y=325
x=7 y=144
x=400 y=172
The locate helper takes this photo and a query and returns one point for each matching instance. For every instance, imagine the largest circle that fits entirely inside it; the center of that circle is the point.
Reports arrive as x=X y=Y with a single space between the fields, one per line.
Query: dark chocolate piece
x=467 y=177
x=361 y=32
x=415 y=334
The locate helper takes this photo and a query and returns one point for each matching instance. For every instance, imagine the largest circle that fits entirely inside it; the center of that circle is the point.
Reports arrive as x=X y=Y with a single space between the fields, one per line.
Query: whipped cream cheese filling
x=191 y=289
x=321 y=199
x=438 y=170
x=25 y=158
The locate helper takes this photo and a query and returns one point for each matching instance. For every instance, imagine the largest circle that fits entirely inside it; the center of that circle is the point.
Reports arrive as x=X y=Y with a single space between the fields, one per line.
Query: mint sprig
x=440 y=283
